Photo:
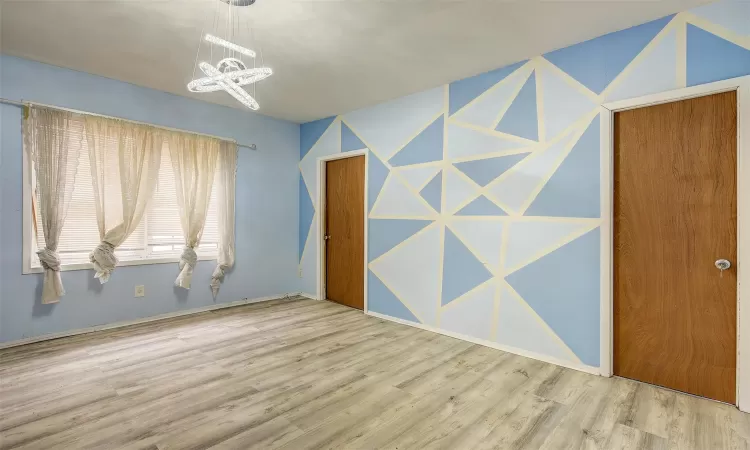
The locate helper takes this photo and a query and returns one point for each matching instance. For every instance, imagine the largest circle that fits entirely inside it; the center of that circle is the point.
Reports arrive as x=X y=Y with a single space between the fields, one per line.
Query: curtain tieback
x=49 y=259
x=217 y=277
x=52 y=289
x=188 y=259
x=104 y=260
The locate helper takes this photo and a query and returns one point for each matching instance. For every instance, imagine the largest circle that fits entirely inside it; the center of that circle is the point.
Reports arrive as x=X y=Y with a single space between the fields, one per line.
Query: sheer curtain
x=227 y=173
x=130 y=153
x=53 y=141
x=194 y=160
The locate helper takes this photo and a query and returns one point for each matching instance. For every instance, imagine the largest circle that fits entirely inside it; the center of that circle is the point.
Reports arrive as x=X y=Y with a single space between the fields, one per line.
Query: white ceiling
x=329 y=57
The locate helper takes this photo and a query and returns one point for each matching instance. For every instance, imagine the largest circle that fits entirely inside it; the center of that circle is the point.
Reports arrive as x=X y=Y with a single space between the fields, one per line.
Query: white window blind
x=163 y=217
x=159 y=235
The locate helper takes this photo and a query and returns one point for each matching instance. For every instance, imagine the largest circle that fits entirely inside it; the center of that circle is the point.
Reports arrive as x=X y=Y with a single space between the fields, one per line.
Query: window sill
x=131 y=262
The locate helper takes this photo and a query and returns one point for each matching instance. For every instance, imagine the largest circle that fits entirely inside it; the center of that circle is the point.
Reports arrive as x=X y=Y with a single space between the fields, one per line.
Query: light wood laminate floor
x=299 y=373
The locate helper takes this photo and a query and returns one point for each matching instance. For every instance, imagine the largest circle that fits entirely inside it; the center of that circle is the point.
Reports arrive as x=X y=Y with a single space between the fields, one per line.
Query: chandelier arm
x=240 y=94
x=208 y=84
x=228 y=45
x=227 y=84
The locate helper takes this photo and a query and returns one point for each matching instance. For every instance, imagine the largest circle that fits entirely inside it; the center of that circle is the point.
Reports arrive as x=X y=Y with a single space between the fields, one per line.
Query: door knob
x=722 y=264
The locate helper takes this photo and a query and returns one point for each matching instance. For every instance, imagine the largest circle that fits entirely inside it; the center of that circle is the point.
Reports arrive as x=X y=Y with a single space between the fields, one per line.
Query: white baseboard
x=495 y=345
x=310 y=296
x=109 y=326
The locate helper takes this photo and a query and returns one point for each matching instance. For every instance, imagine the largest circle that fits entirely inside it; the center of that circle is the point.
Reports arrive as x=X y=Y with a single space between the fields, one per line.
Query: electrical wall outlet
x=140 y=291
x=299 y=271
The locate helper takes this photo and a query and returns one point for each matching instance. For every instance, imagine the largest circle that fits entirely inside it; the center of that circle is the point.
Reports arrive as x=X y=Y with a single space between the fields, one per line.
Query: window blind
x=163 y=217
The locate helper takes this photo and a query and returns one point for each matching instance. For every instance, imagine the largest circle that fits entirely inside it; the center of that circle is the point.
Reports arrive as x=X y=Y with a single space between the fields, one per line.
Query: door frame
x=608 y=110
x=321 y=243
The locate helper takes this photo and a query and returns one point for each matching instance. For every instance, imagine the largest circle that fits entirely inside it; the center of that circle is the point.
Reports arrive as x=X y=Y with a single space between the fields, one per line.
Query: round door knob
x=722 y=264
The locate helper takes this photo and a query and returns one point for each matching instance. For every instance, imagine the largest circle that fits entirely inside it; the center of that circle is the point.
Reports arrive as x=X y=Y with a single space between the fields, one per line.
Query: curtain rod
x=24 y=103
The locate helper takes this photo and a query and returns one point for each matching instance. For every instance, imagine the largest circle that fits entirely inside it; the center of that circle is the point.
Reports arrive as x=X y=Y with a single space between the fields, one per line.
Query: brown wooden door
x=675 y=214
x=345 y=231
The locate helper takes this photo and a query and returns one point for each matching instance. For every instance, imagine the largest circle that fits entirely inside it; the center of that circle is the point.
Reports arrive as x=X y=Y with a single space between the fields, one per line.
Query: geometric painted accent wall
x=484 y=199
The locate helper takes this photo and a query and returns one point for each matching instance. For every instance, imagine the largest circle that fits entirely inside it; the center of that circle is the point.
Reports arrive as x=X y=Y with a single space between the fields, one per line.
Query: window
x=164 y=236
x=158 y=237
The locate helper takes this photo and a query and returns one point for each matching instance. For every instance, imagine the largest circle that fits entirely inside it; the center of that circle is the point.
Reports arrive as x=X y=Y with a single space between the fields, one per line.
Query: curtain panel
x=193 y=160
x=53 y=142
x=130 y=153
x=227 y=173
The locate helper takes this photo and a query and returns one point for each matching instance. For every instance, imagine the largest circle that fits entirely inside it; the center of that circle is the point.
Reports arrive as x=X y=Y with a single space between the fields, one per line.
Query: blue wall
x=266 y=216
x=484 y=193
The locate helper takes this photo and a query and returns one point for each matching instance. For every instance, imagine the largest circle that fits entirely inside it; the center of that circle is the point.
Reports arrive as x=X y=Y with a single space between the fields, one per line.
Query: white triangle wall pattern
x=515 y=188
x=459 y=190
x=466 y=142
x=411 y=271
x=328 y=144
x=564 y=102
x=396 y=199
x=483 y=237
x=471 y=314
x=529 y=240
x=486 y=110
x=518 y=326
x=418 y=176
x=387 y=127
x=655 y=71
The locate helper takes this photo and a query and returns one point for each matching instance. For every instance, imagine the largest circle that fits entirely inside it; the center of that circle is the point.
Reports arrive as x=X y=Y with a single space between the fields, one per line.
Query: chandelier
x=231 y=73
